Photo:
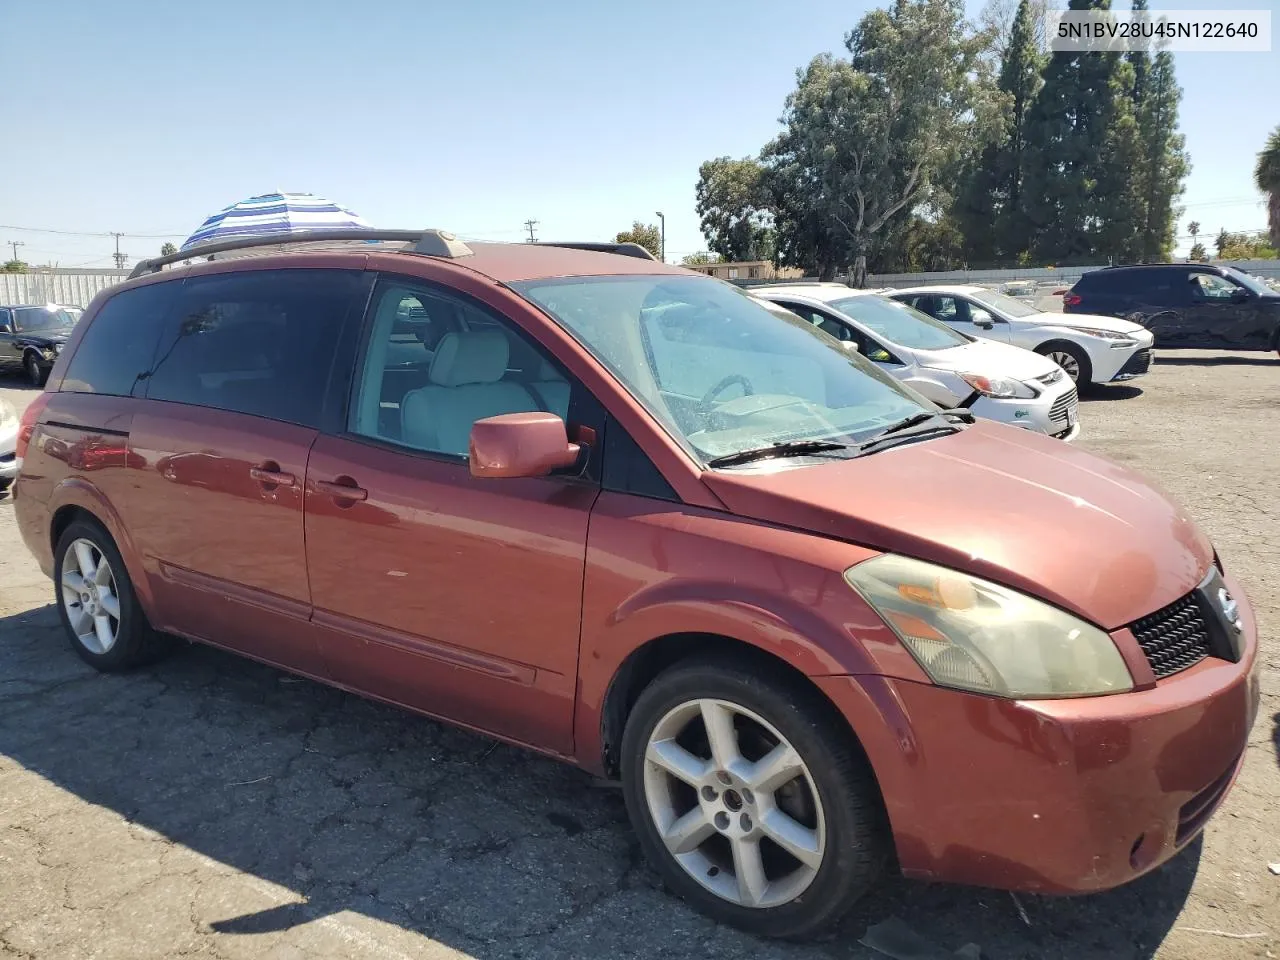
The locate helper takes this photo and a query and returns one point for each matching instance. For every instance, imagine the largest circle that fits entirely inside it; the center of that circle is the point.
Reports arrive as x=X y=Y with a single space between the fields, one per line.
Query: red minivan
x=622 y=514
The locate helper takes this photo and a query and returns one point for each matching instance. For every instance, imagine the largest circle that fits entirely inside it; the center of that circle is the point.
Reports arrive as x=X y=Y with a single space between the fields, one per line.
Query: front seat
x=465 y=384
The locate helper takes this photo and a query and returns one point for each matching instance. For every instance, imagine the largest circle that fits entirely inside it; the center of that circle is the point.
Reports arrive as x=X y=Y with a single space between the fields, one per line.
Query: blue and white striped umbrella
x=275 y=213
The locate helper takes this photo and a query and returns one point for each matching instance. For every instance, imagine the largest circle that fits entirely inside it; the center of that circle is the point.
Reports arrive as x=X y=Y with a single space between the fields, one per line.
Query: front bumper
x=1115 y=365
x=1056 y=414
x=1053 y=796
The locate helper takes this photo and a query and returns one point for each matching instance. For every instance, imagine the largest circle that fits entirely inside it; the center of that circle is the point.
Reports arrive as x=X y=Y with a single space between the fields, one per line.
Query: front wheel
x=750 y=801
x=35 y=372
x=1071 y=359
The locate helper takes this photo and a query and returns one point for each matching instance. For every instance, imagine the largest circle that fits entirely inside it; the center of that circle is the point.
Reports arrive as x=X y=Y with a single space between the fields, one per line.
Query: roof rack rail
x=622 y=249
x=430 y=243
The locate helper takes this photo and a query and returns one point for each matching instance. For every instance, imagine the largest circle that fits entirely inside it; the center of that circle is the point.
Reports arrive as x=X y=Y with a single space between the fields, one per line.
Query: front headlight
x=972 y=634
x=1118 y=339
x=1002 y=388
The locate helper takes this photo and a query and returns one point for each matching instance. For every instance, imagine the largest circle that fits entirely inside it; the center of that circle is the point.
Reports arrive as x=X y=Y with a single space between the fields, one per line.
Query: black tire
x=857 y=835
x=136 y=642
x=5 y=483
x=1083 y=378
x=36 y=374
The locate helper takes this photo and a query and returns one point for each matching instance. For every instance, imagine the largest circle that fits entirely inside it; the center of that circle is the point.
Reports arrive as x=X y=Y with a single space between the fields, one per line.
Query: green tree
x=1160 y=176
x=999 y=18
x=1266 y=175
x=865 y=138
x=15 y=266
x=1244 y=246
x=990 y=210
x=733 y=206
x=168 y=250
x=1198 y=252
x=646 y=234
x=699 y=259
x=1083 y=145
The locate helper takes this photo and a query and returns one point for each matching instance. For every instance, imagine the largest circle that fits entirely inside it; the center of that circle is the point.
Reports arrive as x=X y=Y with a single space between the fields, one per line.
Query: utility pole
x=663 y=242
x=16 y=244
x=120 y=258
x=531 y=224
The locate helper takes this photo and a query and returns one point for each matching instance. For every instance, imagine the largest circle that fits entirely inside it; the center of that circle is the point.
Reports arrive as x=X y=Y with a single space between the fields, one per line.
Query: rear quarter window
x=117 y=348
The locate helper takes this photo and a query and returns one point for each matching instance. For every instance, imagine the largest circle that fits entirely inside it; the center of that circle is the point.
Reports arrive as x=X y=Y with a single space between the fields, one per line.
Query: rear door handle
x=270 y=474
x=343 y=488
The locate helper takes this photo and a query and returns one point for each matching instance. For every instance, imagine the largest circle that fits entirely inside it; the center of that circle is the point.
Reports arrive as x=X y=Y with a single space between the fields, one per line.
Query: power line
x=90 y=233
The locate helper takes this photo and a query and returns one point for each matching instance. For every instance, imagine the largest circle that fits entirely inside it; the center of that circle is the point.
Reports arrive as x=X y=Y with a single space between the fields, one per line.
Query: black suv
x=30 y=338
x=1192 y=305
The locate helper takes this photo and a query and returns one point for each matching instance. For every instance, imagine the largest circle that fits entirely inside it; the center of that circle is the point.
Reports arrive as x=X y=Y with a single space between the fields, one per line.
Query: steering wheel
x=704 y=405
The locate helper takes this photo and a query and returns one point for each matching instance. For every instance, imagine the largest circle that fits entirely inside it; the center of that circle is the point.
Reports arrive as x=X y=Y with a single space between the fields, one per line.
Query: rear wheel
x=96 y=600
x=35 y=373
x=749 y=801
x=1071 y=359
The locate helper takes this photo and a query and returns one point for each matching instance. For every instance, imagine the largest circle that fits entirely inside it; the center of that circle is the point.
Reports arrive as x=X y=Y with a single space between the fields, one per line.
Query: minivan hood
x=990 y=359
x=1114 y=324
x=1027 y=511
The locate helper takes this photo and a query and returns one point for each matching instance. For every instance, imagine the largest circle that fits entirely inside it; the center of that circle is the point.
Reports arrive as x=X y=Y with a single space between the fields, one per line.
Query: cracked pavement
x=209 y=807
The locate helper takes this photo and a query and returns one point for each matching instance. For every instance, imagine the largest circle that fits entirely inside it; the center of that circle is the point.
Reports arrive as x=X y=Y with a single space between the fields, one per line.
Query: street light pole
x=663 y=221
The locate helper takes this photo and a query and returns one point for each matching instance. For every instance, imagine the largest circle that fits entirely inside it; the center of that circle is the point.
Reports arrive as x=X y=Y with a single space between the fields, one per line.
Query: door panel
x=454 y=596
x=224 y=550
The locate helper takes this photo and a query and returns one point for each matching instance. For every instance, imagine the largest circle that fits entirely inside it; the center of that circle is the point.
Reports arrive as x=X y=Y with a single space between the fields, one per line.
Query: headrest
x=476 y=356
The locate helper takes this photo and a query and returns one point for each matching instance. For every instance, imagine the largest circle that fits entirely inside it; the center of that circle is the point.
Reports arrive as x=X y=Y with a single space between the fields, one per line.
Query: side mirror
x=981 y=318
x=1240 y=295
x=520 y=445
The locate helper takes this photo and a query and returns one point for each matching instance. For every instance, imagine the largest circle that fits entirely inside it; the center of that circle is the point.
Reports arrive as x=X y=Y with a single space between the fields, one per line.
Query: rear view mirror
x=520 y=445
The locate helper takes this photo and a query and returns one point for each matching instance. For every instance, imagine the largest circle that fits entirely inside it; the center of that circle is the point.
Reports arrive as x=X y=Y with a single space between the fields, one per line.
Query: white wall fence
x=71 y=288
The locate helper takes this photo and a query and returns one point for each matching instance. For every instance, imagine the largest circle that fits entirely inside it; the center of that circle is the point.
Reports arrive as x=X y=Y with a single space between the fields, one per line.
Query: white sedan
x=8 y=444
x=994 y=380
x=1091 y=349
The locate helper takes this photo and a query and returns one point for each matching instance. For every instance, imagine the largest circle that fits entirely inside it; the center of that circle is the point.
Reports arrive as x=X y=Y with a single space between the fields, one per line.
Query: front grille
x=1174 y=638
x=1136 y=365
x=1068 y=401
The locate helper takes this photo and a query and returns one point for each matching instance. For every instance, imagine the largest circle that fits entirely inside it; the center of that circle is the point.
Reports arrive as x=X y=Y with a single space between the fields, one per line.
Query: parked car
x=1021 y=289
x=620 y=513
x=1091 y=349
x=8 y=444
x=995 y=381
x=30 y=338
x=1190 y=305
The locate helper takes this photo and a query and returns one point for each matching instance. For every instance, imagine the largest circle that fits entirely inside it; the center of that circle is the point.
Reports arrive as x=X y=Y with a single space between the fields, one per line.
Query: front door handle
x=269 y=474
x=343 y=488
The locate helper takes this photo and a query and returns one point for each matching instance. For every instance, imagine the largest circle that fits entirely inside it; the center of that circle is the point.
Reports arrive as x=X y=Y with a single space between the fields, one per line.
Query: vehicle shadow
x=1109 y=392
x=352 y=808
x=1260 y=359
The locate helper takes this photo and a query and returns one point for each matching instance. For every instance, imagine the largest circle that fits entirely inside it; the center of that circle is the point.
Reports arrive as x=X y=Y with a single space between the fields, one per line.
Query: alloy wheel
x=734 y=803
x=90 y=597
x=1067 y=362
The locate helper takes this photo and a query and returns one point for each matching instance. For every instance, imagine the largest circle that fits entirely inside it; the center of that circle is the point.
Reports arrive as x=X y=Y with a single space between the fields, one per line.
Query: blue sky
x=145 y=117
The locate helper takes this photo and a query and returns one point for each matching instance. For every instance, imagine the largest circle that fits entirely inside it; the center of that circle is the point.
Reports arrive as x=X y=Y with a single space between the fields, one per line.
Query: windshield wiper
x=791 y=448
x=902 y=430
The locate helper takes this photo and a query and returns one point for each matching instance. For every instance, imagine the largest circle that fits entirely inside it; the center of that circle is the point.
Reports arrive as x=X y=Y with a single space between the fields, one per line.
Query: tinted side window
x=261 y=342
x=627 y=469
x=119 y=344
